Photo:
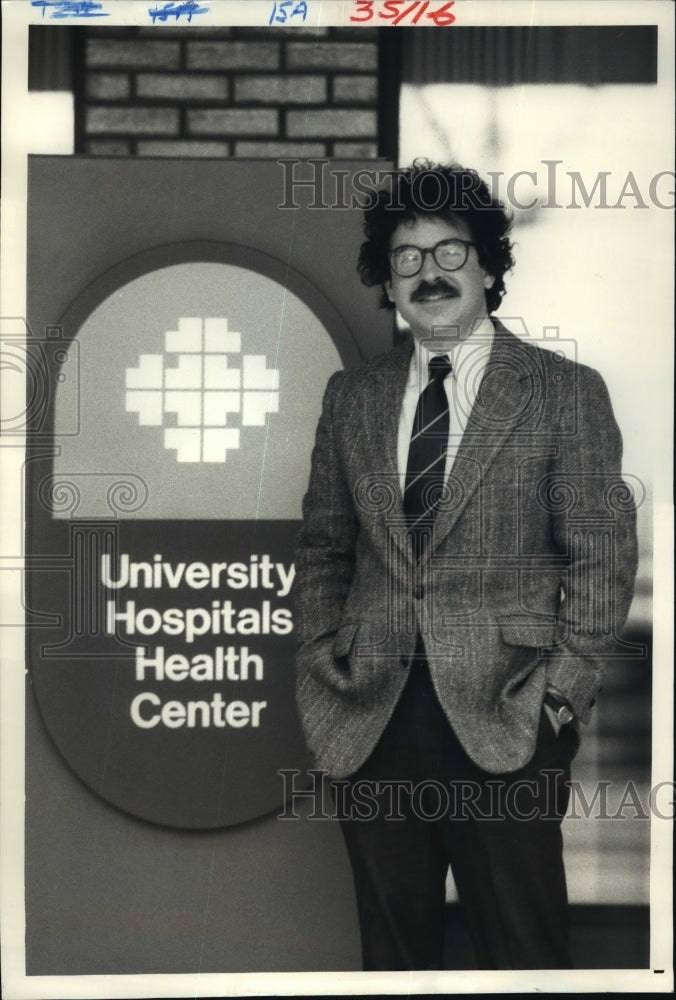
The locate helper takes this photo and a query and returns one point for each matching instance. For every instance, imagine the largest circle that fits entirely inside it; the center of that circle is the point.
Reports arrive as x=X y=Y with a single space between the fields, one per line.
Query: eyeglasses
x=450 y=255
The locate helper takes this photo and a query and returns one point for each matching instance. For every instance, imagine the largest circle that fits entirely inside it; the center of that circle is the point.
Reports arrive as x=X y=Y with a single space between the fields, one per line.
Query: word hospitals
x=523 y=190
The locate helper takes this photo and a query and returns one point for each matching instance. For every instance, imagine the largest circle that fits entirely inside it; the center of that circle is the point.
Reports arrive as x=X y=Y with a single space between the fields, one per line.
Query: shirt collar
x=480 y=339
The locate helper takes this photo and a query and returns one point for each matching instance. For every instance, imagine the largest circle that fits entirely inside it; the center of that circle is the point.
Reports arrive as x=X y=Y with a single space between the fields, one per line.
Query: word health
x=403 y=11
x=226 y=664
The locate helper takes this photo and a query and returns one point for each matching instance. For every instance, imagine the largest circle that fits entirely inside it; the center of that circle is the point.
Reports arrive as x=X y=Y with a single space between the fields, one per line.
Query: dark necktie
x=427 y=455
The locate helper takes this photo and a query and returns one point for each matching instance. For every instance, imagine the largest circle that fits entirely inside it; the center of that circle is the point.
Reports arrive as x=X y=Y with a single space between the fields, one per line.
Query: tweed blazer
x=525 y=582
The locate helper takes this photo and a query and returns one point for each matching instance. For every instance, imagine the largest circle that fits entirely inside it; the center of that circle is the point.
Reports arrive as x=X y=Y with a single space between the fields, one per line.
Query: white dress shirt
x=469 y=358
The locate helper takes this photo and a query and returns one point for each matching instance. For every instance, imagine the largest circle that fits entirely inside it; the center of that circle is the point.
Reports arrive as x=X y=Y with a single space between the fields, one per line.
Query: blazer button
x=404 y=661
x=419 y=591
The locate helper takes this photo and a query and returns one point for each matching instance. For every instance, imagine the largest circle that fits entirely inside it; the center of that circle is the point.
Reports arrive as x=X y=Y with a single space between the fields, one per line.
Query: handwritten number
x=397 y=11
x=443 y=16
x=405 y=13
x=283 y=15
x=177 y=10
x=421 y=11
x=70 y=8
x=393 y=7
x=364 y=7
x=396 y=15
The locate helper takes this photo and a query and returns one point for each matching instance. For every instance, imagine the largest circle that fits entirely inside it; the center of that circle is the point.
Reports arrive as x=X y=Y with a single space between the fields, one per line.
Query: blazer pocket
x=526 y=643
x=534 y=634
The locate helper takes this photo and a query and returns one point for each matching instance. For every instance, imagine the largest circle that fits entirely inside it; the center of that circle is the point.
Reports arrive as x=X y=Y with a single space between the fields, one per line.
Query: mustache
x=425 y=288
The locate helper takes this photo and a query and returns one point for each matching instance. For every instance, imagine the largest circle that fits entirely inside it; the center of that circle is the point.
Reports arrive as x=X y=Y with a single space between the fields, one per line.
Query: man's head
x=437 y=244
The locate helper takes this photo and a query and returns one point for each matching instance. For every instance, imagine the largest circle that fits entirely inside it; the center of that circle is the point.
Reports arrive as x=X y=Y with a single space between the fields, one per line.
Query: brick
x=359 y=31
x=332 y=55
x=331 y=123
x=355 y=150
x=157 y=147
x=271 y=150
x=107 y=86
x=306 y=89
x=132 y=54
x=233 y=122
x=355 y=89
x=182 y=86
x=112 y=31
x=188 y=31
x=233 y=55
x=153 y=121
x=296 y=29
x=104 y=147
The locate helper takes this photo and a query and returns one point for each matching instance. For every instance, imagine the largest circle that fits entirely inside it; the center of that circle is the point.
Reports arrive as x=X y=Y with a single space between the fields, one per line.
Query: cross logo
x=211 y=396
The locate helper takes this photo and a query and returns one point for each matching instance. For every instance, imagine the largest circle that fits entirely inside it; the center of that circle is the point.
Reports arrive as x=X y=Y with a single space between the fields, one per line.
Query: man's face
x=435 y=297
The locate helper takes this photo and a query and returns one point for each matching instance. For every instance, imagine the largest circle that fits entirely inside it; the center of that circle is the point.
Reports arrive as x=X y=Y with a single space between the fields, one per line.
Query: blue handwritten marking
x=71 y=8
x=176 y=10
x=281 y=11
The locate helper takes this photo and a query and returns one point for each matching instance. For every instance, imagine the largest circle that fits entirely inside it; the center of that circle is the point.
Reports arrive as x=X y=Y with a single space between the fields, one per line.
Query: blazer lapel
x=504 y=401
x=378 y=426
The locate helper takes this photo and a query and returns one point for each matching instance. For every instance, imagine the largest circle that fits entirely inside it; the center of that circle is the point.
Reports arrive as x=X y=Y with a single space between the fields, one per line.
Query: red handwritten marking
x=443 y=16
x=404 y=14
x=397 y=13
x=421 y=12
x=363 y=6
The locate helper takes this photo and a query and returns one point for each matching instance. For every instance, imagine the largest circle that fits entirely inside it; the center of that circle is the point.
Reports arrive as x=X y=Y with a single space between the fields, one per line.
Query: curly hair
x=451 y=192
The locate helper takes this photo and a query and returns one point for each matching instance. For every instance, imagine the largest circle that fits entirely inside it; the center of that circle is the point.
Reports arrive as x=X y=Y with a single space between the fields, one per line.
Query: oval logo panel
x=164 y=522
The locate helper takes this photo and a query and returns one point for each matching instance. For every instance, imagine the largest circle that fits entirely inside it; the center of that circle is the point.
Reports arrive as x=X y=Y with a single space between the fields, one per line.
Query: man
x=466 y=560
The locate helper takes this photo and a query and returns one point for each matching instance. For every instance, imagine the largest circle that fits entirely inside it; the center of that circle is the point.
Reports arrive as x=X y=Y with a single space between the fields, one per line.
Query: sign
x=164 y=529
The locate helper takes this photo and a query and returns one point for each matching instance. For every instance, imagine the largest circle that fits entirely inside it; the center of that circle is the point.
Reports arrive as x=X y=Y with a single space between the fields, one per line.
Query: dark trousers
x=418 y=804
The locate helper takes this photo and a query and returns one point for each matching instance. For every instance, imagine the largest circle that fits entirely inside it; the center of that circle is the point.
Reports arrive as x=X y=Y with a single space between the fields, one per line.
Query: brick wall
x=231 y=92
